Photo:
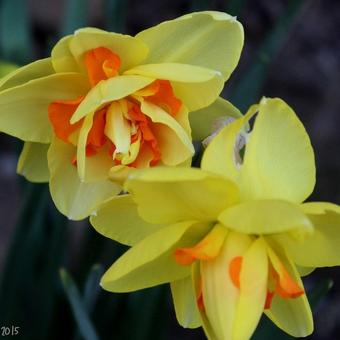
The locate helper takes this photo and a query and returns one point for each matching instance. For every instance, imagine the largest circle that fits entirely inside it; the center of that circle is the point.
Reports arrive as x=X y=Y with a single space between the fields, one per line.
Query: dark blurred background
x=292 y=51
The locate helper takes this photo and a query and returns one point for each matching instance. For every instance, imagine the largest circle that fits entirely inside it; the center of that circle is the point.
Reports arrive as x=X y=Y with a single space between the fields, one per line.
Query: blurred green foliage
x=32 y=294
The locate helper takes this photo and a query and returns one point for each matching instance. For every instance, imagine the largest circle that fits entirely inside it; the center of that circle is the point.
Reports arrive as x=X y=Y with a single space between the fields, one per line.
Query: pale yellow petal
x=184 y=298
x=34 y=70
x=195 y=86
x=279 y=159
x=118 y=219
x=253 y=290
x=219 y=157
x=220 y=295
x=151 y=262
x=62 y=58
x=325 y=241
x=107 y=91
x=265 y=217
x=174 y=141
x=202 y=121
x=168 y=195
x=32 y=163
x=23 y=109
x=208 y=39
x=73 y=198
x=292 y=315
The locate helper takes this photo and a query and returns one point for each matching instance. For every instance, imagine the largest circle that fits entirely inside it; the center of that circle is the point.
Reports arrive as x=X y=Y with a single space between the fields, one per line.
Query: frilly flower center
x=280 y=282
x=120 y=127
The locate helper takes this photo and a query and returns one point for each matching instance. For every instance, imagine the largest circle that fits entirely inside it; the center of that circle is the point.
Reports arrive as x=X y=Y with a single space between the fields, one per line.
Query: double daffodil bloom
x=104 y=104
x=232 y=238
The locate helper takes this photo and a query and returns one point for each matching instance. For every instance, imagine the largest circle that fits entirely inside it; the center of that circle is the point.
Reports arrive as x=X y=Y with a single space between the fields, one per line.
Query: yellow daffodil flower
x=104 y=104
x=232 y=238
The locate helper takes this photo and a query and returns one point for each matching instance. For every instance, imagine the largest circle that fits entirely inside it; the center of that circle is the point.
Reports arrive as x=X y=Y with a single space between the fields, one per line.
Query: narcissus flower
x=233 y=239
x=104 y=103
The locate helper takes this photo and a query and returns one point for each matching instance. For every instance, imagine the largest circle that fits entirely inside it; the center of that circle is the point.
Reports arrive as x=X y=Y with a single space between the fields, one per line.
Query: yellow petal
x=32 y=163
x=202 y=121
x=62 y=58
x=279 y=159
x=107 y=91
x=81 y=146
x=206 y=249
x=219 y=157
x=151 y=261
x=304 y=271
x=220 y=295
x=169 y=195
x=195 y=86
x=117 y=128
x=184 y=299
x=174 y=141
x=73 y=198
x=131 y=51
x=118 y=219
x=23 y=109
x=265 y=217
x=293 y=316
x=208 y=39
x=97 y=167
x=253 y=290
x=325 y=241
x=37 y=69
x=67 y=55
x=197 y=283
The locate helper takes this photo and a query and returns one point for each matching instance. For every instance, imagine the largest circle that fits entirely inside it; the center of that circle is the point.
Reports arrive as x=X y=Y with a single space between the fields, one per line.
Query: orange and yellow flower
x=105 y=104
x=232 y=238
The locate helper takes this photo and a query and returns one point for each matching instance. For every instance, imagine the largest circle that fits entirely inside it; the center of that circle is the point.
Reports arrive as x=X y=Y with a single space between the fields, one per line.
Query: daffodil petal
x=81 y=146
x=195 y=86
x=32 y=163
x=184 y=299
x=197 y=283
x=169 y=195
x=151 y=261
x=174 y=141
x=73 y=198
x=23 y=109
x=220 y=295
x=202 y=120
x=325 y=241
x=68 y=53
x=107 y=91
x=265 y=217
x=174 y=72
x=279 y=159
x=62 y=58
x=117 y=128
x=304 y=271
x=292 y=315
x=253 y=290
x=97 y=167
x=219 y=157
x=37 y=69
x=118 y=219
x=208 y=39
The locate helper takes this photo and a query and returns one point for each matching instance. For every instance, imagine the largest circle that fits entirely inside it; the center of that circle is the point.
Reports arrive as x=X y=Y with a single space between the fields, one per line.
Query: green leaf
x=75 y=15
x=248 y=90
x=78 y=308
x=15 y=31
